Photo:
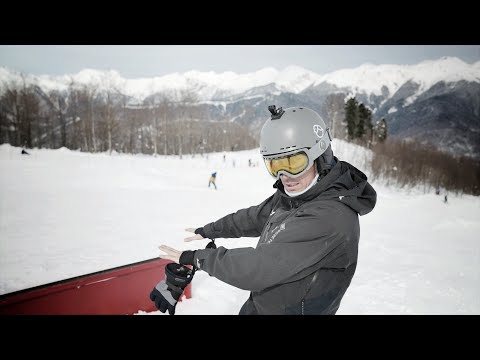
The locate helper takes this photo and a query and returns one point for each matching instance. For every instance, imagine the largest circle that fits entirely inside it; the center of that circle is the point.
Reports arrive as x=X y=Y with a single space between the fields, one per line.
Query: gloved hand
x=167 y=292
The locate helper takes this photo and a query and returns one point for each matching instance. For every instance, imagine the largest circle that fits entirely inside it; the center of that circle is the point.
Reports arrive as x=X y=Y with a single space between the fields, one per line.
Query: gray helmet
x=293 y=130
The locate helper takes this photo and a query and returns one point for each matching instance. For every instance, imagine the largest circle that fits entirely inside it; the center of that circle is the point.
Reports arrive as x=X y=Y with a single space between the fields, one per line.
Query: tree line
x=409 y=163
x=91 y=119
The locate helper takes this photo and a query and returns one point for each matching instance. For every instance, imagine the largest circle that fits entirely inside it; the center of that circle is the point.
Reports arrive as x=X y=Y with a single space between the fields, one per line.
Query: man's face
x=300 y=183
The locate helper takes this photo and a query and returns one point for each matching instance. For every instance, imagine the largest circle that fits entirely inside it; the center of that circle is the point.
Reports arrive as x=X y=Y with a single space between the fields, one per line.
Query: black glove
x=211 y=244
x=167 y=292
x=200 y=232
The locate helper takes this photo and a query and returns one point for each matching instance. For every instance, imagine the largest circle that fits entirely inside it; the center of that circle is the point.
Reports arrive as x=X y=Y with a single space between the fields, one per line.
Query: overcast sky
x=135 y=61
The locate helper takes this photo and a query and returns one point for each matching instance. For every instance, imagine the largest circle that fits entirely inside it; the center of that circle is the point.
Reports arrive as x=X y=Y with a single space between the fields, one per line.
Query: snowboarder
x=24 y=152
x=212 y=180
x=308 y=229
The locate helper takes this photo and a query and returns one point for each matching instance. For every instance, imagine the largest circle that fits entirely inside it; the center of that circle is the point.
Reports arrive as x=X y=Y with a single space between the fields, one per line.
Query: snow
x=65 y=213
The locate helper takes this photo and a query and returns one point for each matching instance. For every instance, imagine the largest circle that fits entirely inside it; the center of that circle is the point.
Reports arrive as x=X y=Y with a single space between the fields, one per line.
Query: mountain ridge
x=366 y=78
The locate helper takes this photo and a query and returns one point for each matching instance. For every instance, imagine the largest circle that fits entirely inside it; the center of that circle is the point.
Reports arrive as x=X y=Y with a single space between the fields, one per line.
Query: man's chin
x=292 y=188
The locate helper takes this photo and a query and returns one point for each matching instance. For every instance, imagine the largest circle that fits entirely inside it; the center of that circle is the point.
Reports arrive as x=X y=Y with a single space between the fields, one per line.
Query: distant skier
x=213 y=177
x=24 y=152
x=437 y=191
x=445 y=200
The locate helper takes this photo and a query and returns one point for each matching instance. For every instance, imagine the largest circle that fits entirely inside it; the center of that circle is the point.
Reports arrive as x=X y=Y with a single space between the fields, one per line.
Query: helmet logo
x=318 y=130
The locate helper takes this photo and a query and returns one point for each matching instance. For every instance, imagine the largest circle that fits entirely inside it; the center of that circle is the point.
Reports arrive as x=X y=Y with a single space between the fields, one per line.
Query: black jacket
x=307 y=251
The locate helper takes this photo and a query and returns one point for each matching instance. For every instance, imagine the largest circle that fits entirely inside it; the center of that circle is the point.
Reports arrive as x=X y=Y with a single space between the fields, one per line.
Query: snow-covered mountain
x=369 y=79
x=205 y=85
x=386 y=80
x=436 y=101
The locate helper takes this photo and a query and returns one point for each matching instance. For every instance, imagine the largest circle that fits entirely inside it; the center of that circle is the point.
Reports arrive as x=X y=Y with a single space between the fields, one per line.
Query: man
x=307 y=252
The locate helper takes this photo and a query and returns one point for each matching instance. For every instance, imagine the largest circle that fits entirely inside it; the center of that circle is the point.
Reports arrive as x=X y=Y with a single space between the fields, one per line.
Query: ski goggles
x=293 y=165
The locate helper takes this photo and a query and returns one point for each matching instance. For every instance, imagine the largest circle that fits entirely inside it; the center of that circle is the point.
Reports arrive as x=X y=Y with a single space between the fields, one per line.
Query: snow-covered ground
x=64 y=213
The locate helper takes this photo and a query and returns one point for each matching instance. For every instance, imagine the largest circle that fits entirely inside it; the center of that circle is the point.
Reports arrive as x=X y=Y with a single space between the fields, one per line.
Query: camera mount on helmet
x=276 y=113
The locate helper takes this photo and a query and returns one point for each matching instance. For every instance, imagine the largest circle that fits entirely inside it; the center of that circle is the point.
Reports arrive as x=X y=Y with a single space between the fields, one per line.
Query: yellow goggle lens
x=293 y=164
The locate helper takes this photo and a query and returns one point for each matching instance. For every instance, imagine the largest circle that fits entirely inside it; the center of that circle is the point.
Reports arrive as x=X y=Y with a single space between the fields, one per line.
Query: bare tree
x=58 y=104
x=31 y=110
x=335 y=109
x=186 y=99
x=73 y=113
x=91 y=93
x=83 y=103
x=165 y=129
x=109 y=119
x=12 y=110
x=154 y=113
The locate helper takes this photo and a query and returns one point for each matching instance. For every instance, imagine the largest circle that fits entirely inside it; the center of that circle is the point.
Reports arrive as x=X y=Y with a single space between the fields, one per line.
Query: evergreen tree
x=360 y=126
x=351 y=117
x=364 y=125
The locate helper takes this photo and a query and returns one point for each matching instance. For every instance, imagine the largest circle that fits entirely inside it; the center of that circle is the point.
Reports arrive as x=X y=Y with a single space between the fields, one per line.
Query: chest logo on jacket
x=276 y=230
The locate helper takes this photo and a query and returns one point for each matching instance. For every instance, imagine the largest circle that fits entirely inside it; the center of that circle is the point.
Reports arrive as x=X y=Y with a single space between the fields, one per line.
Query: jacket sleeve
x=245 y=222
x=306 y=243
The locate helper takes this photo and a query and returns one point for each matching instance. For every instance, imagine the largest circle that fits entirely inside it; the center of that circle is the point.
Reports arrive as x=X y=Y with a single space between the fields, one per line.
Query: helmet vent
x=288 y=147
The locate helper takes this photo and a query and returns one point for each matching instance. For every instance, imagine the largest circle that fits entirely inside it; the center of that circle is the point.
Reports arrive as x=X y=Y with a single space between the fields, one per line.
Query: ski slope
x=65 y=213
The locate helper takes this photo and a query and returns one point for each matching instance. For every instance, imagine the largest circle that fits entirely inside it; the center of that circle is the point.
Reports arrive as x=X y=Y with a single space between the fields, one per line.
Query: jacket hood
x=344 y=183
